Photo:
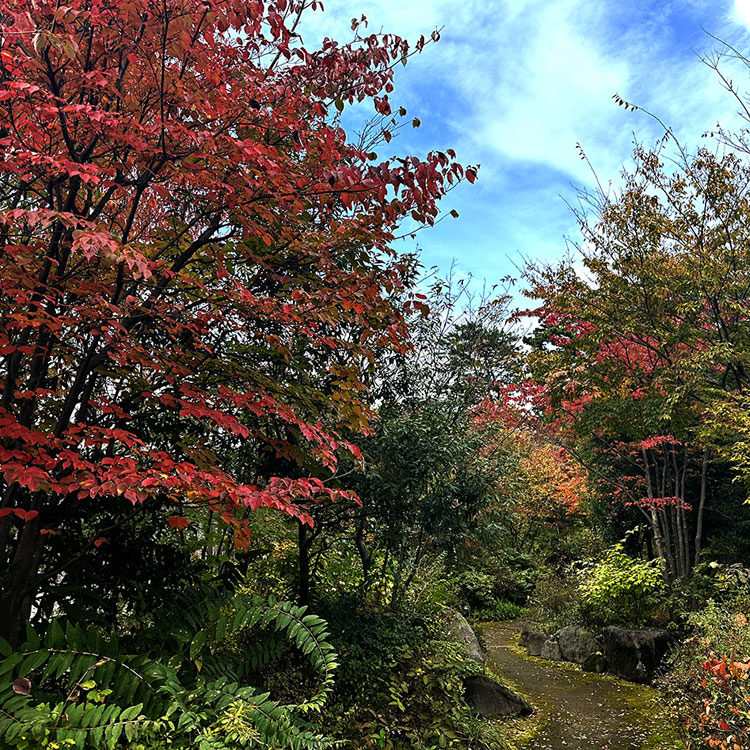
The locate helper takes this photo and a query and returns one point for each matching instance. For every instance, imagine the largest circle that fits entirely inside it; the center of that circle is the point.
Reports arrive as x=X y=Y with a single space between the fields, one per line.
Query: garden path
x=575 y=710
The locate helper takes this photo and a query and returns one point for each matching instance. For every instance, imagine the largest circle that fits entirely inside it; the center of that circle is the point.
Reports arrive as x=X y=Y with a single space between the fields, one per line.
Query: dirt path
x=575 y=710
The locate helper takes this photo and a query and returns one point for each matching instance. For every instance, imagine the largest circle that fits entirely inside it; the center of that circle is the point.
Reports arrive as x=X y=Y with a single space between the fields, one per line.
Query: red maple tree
x=186 y=234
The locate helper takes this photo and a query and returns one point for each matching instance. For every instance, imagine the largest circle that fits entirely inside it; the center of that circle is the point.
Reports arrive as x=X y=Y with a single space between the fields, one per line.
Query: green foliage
x=372 y=643
x=272 y=571
x=620 y=590
x=515 y=574
x=644 y=356
x=399 y=686
x=463 y=351
x=476 y=589
x=428 y=471
x=142 y=562
x=426 y=483
x=419 y=706
x=722 y=629
x=556 y=600
x=479 y=592
x=732 y=582
x=503 y=576
x=500 y=610
x=76 y=685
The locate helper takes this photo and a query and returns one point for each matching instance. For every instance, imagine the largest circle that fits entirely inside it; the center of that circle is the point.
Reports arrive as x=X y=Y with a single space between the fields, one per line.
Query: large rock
x=490 y=699
x=551 y=650
x=634 y=654
x=459 y=631
x=533 y=642
x=595 y=663
x=577 y=643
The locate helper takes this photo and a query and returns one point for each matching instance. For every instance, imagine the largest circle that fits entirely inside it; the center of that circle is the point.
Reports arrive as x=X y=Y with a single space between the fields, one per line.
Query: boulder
x=533 y=642
x=577 y=643
x=551 y=650
x=460 y=632
x=490 y=699
x=595 y=663
x=634 y=654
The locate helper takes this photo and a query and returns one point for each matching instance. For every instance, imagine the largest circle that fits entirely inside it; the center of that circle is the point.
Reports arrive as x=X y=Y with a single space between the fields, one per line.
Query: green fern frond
x=75 y=685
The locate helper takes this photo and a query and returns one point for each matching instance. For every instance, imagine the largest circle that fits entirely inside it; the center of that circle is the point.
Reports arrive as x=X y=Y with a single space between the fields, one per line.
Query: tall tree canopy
x=193 y=257
x=644 y=339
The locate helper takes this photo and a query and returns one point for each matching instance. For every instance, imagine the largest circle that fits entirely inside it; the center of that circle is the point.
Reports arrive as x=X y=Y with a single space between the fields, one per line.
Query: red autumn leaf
x=178 y=522
x=98 y=542
x=25 y=515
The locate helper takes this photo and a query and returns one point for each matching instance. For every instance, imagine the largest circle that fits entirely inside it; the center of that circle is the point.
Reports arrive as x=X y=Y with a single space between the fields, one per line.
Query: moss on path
x=575 y=710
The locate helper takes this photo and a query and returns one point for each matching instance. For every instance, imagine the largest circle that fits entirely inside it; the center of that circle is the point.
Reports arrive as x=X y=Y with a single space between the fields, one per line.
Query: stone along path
x=575 y=710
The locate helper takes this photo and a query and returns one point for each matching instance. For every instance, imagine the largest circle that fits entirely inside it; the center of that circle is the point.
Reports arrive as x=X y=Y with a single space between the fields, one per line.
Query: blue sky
x=513 y=85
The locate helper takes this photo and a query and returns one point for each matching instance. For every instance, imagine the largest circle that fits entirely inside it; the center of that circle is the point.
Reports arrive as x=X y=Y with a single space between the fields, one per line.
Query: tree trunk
x=668 y=547
x=701 y=506
x=680 y=539
x=18 y=594
x=649 y=545
x=654 y=519
x=682 y=516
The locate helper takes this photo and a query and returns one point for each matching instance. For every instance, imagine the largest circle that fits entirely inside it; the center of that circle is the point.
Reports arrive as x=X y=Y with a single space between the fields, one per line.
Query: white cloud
x=401 y=17
x=515 y=84
x=528 y=79
x=742 y=11
x=539 y=98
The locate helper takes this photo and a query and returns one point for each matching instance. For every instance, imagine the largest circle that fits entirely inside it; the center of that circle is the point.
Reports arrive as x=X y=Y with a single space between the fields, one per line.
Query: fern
x=307 y=632
x=77 y=686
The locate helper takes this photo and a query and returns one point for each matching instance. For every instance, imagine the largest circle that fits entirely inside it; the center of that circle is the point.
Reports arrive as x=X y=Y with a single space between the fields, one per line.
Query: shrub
x=620 y=590
x=556 y=601
x=708 y=678
x=476 y=589
x=497 y=589
x=399 y=686
x=724 y=718
x=372 y=643
x=503 y=574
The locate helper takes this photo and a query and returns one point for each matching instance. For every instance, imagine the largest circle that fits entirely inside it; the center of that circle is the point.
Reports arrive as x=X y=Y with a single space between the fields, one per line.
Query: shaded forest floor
x=575 y=710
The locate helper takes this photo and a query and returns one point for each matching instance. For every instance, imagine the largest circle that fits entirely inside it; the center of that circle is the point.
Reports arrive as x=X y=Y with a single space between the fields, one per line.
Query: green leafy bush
x=514 y=572
x=399 y=686
x=620 y=590
x=500 y=573
x=555 y=601
x=372 y=643
x=497 y=589
x=476 y=589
